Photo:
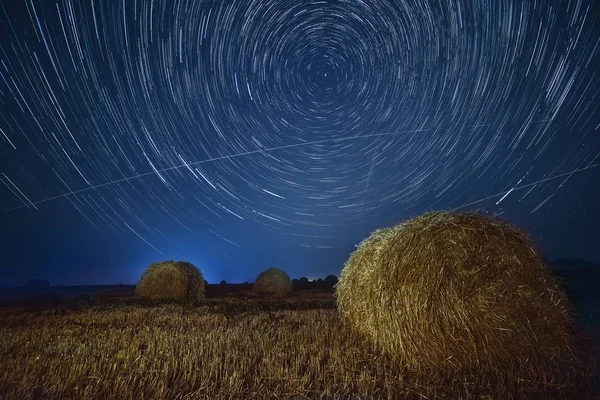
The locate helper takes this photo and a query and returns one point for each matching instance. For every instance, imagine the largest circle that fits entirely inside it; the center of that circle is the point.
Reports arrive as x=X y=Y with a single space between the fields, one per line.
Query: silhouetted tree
x=303 y=282
x=223 y=282
x=330 y=280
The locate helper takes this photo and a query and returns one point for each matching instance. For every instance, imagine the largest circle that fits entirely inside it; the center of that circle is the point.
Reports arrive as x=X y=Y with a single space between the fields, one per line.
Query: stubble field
x=231 y=346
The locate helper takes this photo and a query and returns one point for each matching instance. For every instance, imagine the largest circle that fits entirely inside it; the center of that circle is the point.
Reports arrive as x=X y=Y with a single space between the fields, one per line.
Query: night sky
x=247 y=134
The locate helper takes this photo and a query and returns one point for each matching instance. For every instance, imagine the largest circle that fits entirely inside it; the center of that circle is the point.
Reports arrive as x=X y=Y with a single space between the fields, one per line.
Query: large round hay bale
x=458 y=292
x=176 y=280
x=273 y=281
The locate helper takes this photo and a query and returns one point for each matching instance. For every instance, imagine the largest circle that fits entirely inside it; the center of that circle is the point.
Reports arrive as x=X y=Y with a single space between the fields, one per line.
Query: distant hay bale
x=273 y=281
x=457 y=292
x=176 y=280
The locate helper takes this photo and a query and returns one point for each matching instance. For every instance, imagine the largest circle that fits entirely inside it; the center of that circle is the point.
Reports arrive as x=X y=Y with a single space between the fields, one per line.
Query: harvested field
x=230 y=345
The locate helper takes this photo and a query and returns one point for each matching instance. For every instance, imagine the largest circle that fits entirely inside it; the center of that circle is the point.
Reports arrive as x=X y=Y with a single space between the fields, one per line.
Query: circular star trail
x=305 y=119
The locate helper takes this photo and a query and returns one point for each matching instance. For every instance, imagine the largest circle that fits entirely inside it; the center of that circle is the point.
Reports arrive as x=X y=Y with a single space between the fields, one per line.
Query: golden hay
x=458 y=292
x=273 y=281
x=177 y=280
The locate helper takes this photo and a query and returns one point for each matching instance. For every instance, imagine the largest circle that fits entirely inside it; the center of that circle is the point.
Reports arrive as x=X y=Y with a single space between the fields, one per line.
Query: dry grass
x=176 y=280
x=456 y=293
x=273 y=281
x=240 y=348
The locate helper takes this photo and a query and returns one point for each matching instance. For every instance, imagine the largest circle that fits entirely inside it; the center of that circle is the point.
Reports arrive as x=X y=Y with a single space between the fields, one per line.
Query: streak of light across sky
x=241 y=135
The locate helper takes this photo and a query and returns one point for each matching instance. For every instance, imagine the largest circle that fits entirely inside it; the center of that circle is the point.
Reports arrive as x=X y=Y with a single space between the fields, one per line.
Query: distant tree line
x=303 y=283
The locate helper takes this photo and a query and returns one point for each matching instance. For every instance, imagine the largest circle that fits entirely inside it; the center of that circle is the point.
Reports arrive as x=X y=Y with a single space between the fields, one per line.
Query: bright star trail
x=246 y=134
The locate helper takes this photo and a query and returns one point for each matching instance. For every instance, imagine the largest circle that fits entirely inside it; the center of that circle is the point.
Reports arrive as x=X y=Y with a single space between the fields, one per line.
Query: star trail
x=241 y=135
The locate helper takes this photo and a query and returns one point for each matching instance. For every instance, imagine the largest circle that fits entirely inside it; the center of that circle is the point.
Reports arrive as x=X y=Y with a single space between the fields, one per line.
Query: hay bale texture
x=175 y=280
x=273 y=281
x=457 y=292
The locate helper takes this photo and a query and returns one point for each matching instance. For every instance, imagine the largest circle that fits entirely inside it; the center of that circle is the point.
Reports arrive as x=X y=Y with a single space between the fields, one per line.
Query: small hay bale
x=458 y=292
x=273 y=281
x=176 y=280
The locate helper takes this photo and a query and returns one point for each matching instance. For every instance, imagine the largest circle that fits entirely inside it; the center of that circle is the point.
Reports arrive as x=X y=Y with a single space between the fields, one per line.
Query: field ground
x=100 y=342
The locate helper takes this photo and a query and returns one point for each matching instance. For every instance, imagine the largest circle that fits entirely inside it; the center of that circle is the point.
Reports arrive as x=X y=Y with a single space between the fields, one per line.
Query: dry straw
x=458 y=292
x=176 y=280
x=273 y=281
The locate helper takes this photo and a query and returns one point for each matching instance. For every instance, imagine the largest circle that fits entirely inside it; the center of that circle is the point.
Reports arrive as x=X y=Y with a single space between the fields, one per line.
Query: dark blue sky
x=241 y=135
